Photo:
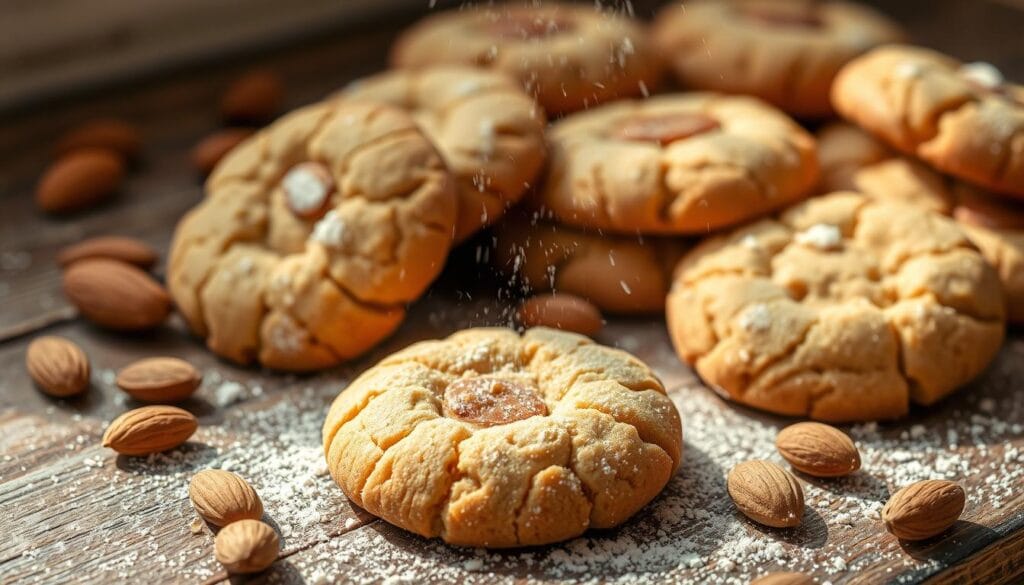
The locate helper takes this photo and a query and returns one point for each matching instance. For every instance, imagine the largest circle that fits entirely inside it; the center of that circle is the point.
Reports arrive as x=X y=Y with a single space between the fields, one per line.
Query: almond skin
x=246 y=546
x=784 y=579
x=159 y=379
x=127 y=250
x=116 y=295
x=222 y=497
x=818 y=449
x=256 y=96
x=766 y=493
x=109 y=133
x=58 y=366
x=924 y=509
x=80 y=179
x=560 y=311
x=150 y=429
x=210 y=150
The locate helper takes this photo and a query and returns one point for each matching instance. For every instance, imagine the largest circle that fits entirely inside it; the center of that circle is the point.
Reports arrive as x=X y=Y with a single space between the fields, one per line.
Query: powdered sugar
x=822 y=236
x=330 y=231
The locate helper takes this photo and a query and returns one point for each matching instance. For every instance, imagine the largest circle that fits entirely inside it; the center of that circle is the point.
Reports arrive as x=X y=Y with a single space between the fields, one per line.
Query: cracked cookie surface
x=495 y=439
x=841 y=309
x=569 y=56
x=489 y=131
x=313 y=236
x=962 y=119
x=675 y=164
x=785 y=52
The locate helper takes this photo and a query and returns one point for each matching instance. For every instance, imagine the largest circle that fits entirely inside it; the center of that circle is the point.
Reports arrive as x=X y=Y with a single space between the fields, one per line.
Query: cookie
x=786 y=52
x=841 y=309
x=962 y=119
x=489 y=131
x=570 y=57
x=675 y=164
x=619 y=274
x=488 y=438
x=852 y=159
x=313 y=236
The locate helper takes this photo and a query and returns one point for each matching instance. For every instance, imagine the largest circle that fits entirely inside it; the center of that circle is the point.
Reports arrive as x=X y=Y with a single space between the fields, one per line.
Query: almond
x=109 y=133
x=766 y=493
x=116 y=295
x=246 y=546
x=128 y=250
x=560 y=311
x=256 y=96
x=222 y=497
x=924 y=509
x=150 y=429
x=208 y=151
x=79 y=180
x=784 y=578
x=818 y=449
x=159 y=379
x=58 y=366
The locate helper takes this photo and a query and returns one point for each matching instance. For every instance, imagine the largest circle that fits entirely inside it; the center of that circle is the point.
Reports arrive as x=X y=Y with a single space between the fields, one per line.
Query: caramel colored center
x=665 y=129
x=489 y=401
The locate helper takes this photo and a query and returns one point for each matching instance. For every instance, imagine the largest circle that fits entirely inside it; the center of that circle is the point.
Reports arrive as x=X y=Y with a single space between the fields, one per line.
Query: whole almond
x=560 y=311
x=246 y=546
x=924 y=509
x=766 y=493
x=58 y=366
x=80 y=179
x=256 y=96
x=128 y=250
x=150 y=429
x=109 y=133
x=159 y=379
x=116 y=295
x=818 y=449
x=208 y=152
x=222 y=497
x=784 y=578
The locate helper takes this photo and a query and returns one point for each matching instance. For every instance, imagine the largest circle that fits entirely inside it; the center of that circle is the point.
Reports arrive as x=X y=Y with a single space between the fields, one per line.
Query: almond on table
x=818 y=449
x=79 y=180
x=58 y=366
x=208 y=151
x=766 y=493
x=256 y=96
x=109 y=133
x=150 y=429
x=560 y=311
x=159 y=379
x=222 y=497
x=246 y=546
x=116 y=295
x=128 y=250
x=924 y=509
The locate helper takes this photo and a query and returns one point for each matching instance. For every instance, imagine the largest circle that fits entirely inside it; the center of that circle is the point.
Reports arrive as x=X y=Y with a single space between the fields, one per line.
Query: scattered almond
x=256 y=96
x=80 y=179
x=222 y=497
x=818 y=449
x=246 y=546
x=784 y=579
x=58 y=366
x=924 y=509
x=159 y=379
x=109 y=133
x=208 y=151
x=766 y=493
x=560 y=311
x=116 y=295
x=150 y=429
x=128 y=250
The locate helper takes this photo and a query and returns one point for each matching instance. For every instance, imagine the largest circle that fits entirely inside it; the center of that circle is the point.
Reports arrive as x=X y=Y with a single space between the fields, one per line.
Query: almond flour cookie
x=963 y=119
x=619 y=274
x=313 y=236
x=570 y=57
x=489 y=131
x=841 y=309
x=676 y=164
x=489 y=438
x=853 y=160
x=786 y=52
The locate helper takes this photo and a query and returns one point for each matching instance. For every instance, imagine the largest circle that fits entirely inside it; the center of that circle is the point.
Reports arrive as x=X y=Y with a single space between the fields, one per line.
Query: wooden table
x=72 y=511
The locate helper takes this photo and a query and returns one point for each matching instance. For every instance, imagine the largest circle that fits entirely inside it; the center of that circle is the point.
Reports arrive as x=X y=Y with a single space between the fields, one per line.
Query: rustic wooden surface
x=72 y=511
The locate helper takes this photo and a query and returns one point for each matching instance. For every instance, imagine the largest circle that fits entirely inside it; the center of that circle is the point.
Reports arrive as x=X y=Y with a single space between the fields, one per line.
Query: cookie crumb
x=822 y=236
x=330 y=231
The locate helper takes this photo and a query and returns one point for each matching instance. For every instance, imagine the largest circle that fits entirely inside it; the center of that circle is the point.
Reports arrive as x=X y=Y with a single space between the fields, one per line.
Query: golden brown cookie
x=963 y=119
x=570 y=57
x=852 y=159
x=489 y=438
x=489 y=131
x=786 y=52
x=313 y=236
x=841 y=309
x=675 y=164
x=619 y=274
